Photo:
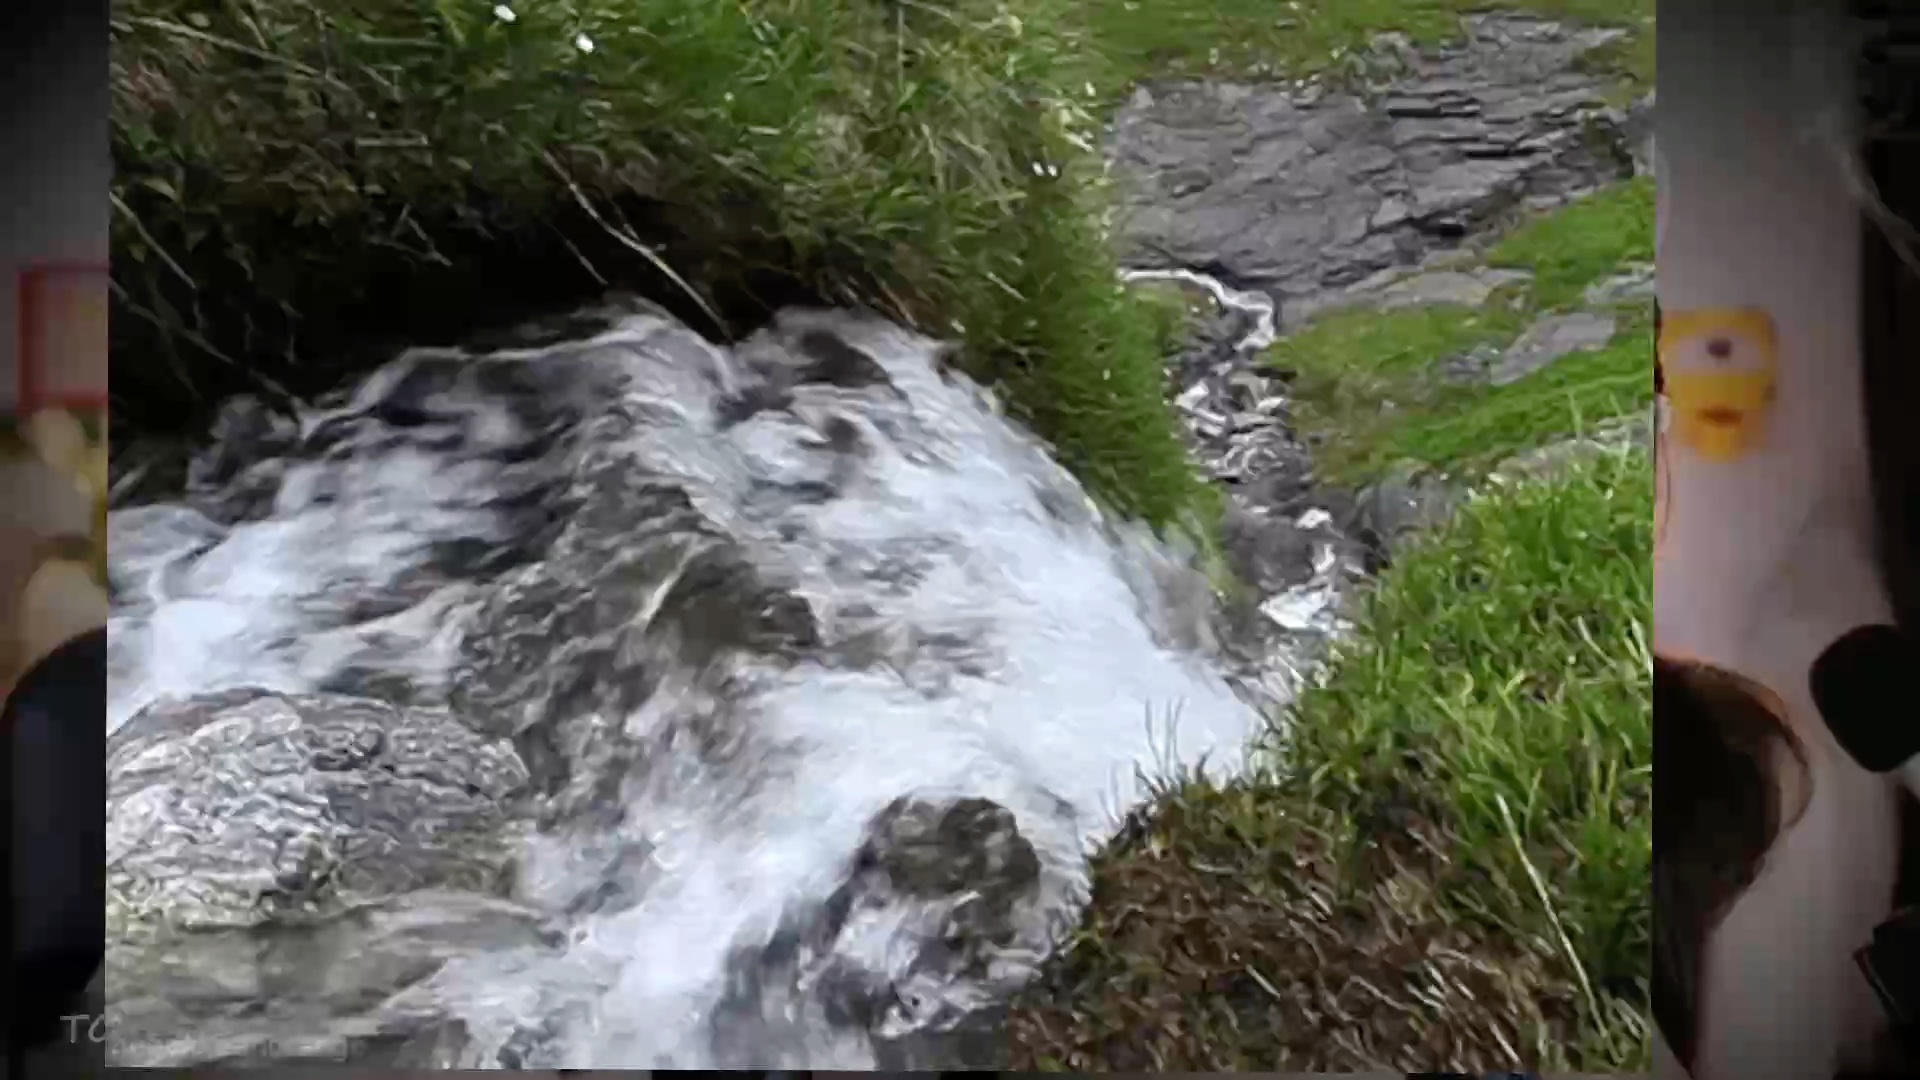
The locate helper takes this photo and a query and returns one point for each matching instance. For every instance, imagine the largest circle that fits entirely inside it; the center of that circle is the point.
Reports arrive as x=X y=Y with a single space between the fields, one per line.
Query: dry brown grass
x=1212 y=951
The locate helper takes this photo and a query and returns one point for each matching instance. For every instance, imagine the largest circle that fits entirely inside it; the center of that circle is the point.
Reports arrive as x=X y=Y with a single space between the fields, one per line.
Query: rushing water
x=731 y=606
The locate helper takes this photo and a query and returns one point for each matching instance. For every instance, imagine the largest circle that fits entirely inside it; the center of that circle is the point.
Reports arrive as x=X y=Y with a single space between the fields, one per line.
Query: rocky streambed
x=1278 y=202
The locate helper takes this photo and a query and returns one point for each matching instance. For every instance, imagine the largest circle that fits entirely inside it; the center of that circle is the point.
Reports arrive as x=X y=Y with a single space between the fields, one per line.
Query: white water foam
x=1016 y=647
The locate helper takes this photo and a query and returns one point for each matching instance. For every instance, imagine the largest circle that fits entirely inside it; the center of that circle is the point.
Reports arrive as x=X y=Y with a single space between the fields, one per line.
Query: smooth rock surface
x=1635 y=284
x=279 y=866
x=1552 y=338
x=1302 y=191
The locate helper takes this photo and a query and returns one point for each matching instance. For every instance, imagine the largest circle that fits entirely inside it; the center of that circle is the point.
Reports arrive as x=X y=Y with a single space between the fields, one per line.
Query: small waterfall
x=620 y=700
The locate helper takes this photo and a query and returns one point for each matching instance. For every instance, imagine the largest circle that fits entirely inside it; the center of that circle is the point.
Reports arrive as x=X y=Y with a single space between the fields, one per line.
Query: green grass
x=1442 y=866
x=1566 y=399
x=1128 y=40
x=1369 y=397
x=1582 y=243
x=297 y=186
x=1369 y=388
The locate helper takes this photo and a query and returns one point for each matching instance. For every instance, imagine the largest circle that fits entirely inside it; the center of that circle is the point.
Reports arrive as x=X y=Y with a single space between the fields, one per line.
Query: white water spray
x=758 y=597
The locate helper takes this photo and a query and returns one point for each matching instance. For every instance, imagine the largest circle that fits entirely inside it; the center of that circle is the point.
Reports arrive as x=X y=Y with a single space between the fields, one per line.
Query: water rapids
x=613 y=699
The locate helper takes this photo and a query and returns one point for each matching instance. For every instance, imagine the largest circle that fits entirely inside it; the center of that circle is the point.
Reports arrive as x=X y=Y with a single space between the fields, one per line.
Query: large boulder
x=1303 y=190
x=938 y=897
x=280 y=866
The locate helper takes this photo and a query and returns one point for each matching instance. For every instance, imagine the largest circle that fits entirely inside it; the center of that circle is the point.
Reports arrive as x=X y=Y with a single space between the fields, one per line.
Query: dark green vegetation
x=297 y=188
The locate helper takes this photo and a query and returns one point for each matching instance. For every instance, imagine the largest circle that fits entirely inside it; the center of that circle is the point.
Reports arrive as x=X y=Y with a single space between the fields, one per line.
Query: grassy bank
x=1446 y=861
x=1370 y=387
x=297 y=187
x=1440 y=862
x=1443 y=867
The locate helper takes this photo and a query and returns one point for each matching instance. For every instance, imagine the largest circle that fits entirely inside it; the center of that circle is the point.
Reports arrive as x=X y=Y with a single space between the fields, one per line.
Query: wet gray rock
x=1470 y=287
x=1620 y=435
x=922 y=848
x=1550 y=339
x=1267 y=552
x=1471 y=367
x=144 y=468
x=1304 y=190
x=1404 y=501
x=237 y=474
x=904 y=855
x=1390 y=290
x=1639 y=134
x=279 y=866
x=1633 y=285
x=967 y=857
x=965 y=866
